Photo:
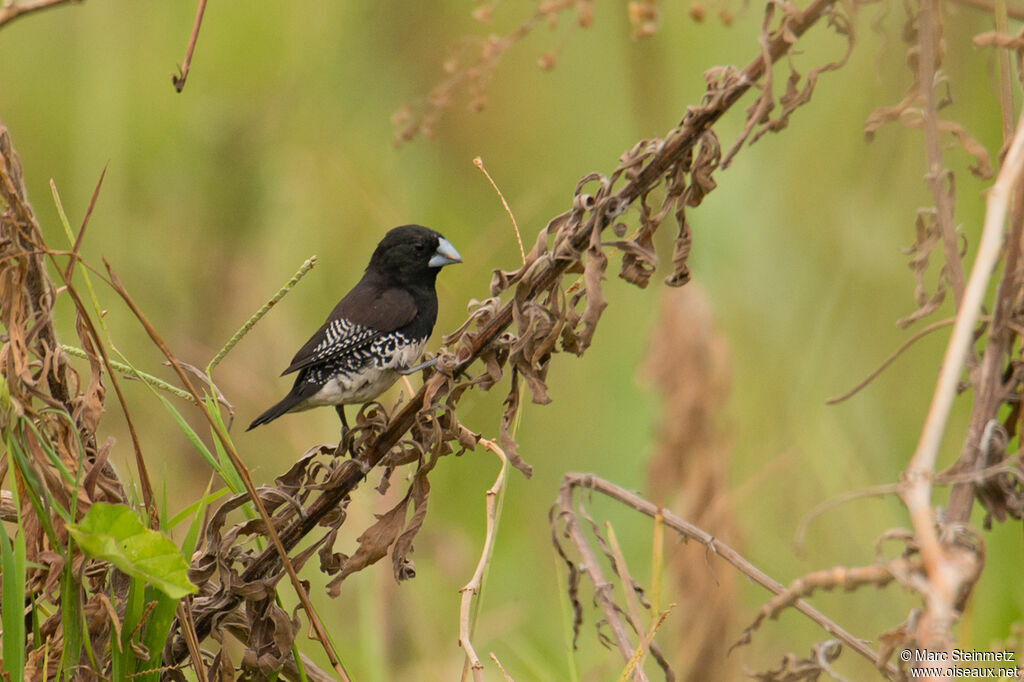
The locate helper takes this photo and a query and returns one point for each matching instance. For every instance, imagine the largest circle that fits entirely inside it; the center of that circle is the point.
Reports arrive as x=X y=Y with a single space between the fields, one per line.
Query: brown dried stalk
x=989 y=8
x=179 y=79
x=565 y=515
x=590 y=566
x=944 y=566
x=10 y=11
x=472 y=588
x=929 y=27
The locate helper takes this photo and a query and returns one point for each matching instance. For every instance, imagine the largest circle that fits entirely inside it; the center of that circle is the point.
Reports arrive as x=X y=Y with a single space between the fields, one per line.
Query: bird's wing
x=363 y=315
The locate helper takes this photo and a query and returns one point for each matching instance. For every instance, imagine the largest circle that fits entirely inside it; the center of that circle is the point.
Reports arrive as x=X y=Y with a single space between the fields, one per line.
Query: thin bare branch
x=472 y=588
x=10 y=11
x=479 y=163
x=715 y=546
x=988 y=7
x=940 y=180
x=179 y=79
x=895 y=354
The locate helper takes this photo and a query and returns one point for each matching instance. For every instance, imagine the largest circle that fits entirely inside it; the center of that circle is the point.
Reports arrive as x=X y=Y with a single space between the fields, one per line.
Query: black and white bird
x=376 y=332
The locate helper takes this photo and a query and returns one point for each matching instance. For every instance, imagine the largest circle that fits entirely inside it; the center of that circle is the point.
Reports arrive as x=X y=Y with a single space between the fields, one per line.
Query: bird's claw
x=416 y=368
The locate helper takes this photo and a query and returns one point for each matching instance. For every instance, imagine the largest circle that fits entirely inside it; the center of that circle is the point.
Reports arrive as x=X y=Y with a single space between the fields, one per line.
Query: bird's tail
x=274 y=412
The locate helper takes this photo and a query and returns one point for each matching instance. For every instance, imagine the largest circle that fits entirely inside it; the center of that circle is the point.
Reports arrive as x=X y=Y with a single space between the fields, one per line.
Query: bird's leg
x=340 y=409
x=416 y=368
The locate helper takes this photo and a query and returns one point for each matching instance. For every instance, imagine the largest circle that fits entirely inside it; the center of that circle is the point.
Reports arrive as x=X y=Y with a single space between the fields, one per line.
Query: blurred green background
x=281 y=147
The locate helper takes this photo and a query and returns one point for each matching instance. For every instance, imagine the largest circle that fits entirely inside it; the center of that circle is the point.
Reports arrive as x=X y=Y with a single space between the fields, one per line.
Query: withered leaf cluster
x=48 y=416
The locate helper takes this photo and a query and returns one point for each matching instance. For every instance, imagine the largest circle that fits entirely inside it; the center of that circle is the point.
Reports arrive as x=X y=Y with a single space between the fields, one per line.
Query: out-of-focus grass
x=279 y=148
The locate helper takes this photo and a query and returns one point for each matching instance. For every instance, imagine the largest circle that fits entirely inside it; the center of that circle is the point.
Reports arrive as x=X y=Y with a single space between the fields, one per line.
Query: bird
x=376 y=332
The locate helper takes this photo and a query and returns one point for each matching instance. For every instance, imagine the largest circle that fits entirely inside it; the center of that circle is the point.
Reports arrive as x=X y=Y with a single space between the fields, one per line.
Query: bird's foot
x=340 y=409
x=416 y=368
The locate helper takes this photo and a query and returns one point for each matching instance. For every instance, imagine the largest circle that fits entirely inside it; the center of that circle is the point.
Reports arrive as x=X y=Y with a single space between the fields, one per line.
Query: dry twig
x=179 y=79
x=566 y=516
x=472 y=588
x=11 y=10
x=945 y=575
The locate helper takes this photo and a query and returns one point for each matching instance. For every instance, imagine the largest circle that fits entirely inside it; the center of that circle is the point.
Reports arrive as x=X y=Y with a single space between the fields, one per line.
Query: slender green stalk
x=131 y=372
x=251 y=322
x=85 y=271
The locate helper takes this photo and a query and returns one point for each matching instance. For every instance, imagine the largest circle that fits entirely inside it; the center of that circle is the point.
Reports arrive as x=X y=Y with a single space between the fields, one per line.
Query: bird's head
x=412 y=253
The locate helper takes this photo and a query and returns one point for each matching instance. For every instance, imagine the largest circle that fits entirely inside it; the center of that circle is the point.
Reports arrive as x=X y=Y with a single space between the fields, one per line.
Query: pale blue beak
x=445 y=255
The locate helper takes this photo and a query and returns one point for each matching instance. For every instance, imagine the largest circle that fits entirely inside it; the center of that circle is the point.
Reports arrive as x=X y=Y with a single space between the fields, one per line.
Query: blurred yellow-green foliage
x=280 y=146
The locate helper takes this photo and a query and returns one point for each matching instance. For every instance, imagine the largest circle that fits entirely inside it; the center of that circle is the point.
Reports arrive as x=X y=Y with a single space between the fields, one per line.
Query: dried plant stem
x=10 y=11
x=504 y=673
x=409 y=390
x=916 y=489
x=472 y=588
x=1007 y=467
x=889 y=360
x=590 y=482
x=990 y=391
x=191 y=639
x=479 y=163
x=1014 y=12
x=243 y=473
x=251 y=322
x=592 y=568
x=937 y=175
x=179 y=79
x=636 y=660
x=1005 y=77
x=990 y=388
x=622 y=570
x=14 y=193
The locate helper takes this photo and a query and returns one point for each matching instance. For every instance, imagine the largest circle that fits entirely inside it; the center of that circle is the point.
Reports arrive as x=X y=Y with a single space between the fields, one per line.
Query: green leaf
x=114 y=533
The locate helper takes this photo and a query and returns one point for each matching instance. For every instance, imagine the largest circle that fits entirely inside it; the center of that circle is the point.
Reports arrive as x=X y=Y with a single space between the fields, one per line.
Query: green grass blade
x=225 y=467
x=33 y=488
x=71 y=622
x=195 y=510
x=97 y=310
x=155 y=632
x=12 y=562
